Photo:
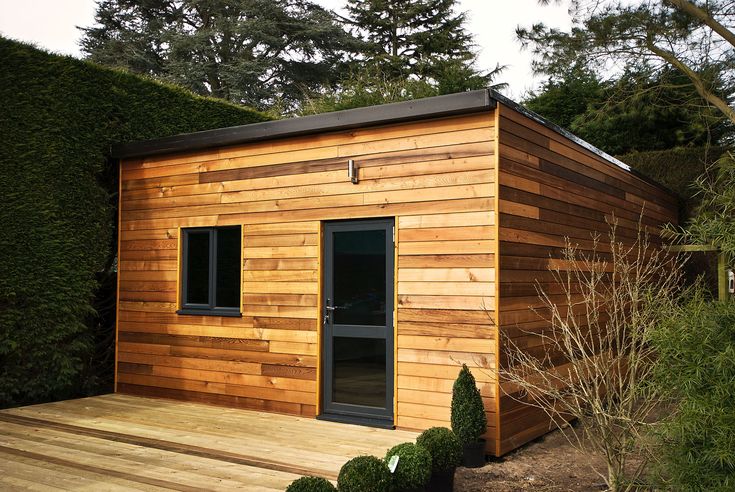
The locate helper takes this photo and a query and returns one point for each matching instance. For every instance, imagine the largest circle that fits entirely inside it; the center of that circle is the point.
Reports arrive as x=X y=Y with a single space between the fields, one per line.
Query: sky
x=52 y=24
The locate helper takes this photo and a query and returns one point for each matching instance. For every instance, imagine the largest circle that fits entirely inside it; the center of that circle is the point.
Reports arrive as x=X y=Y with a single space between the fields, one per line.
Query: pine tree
x=424 y=39
x=256 y=52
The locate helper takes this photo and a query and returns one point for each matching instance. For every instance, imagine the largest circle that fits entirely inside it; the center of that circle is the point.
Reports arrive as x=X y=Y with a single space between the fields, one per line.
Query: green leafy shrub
x=58 y=200
x=444 y=448
x=469 y=421
x=714 y=219
x=414 y=467
x=364 y=474
x=311 y=484
x=696 y=367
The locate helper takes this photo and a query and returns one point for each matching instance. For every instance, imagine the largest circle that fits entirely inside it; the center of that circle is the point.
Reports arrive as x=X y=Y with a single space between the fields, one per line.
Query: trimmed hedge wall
x=677 y=169
x=58 y=196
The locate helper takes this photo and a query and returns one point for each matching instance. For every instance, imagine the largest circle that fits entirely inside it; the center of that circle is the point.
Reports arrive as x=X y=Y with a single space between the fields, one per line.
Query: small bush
x=469 y=421
x=444 y=448
x=311 y=484
x=364 y=474
x=696 y=367
x=414 y=467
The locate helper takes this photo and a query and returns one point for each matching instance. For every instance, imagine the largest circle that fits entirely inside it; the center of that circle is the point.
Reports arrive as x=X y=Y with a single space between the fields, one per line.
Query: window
x=210 y=277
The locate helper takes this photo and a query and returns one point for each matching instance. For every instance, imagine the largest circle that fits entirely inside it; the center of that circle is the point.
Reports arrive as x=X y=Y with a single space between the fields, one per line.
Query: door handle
x=327 y=313
x=328 y=309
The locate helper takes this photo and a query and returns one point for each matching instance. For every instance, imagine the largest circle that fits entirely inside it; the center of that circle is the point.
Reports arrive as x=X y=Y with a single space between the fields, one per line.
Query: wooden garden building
x=343 y=266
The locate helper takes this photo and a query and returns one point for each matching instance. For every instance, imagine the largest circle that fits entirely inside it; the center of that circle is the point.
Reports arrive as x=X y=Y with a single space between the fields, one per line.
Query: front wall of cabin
x=551 y=188
x=436 y=178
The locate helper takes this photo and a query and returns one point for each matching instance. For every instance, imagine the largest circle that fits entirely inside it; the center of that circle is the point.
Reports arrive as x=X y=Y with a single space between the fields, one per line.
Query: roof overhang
x=415 y=110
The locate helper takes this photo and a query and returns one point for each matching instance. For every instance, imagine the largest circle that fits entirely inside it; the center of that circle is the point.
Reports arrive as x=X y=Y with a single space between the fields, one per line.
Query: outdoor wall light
x=352 y=171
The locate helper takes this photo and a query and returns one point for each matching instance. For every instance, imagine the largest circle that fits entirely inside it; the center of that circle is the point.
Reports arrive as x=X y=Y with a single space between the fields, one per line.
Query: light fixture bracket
x=352 y=171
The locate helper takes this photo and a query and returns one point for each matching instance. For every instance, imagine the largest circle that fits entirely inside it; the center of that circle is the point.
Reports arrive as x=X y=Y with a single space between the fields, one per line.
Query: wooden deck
x=117 y=442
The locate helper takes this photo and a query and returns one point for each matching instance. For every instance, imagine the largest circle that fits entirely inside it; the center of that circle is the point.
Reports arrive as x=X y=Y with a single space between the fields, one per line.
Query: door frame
x=343 y=412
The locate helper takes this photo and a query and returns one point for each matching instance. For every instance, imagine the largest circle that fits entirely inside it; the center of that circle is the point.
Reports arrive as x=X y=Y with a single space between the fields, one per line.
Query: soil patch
x=547 y=464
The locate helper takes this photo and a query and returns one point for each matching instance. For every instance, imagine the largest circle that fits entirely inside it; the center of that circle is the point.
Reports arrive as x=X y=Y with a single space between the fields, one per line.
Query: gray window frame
x=211 y=308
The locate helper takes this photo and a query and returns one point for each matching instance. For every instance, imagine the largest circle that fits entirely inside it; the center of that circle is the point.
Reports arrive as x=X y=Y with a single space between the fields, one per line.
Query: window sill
x=230 y=313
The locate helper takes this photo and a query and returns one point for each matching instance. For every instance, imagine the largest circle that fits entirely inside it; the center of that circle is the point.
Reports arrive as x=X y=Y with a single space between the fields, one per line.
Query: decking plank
x=121 y=442
x=137 y=464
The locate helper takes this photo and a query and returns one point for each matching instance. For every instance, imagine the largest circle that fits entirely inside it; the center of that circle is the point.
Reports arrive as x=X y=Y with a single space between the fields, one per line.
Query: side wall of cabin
x=436 y=178
x=551 y=188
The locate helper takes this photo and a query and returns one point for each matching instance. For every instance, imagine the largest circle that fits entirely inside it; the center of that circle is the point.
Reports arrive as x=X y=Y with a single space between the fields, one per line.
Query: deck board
x=120 y=442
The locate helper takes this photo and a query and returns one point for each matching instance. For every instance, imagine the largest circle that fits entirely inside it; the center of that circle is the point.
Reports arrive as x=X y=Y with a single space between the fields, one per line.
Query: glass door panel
x=358 y=321
x=359 y=278
x=359 y=371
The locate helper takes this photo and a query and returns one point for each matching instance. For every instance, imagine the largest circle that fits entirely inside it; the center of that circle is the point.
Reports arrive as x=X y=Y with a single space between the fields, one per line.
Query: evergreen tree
x=423 y=39
x=694 y=38
x=256 y=52
x=641 y=110
x=563 y=99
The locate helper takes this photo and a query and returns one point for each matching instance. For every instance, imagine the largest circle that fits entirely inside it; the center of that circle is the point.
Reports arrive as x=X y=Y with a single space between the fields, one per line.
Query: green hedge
x=59 y=117
x=677 y=168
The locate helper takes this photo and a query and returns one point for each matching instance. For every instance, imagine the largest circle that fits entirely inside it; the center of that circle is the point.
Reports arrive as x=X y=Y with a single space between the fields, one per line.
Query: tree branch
x=704 y=16
x=697 y=81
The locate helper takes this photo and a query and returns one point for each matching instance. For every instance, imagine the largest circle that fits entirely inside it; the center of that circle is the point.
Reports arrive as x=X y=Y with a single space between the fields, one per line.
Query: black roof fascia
x=415 y=110
x=419 y=109
x=583 y=143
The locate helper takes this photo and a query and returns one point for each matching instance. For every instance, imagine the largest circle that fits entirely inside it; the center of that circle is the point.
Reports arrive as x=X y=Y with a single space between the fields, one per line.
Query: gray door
x=357 y=383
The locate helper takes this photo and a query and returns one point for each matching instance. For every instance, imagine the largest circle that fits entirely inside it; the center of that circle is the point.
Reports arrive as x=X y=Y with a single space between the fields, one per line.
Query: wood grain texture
x=551 y=190
x=436 y=178
x=120 y=442
x=483 y=204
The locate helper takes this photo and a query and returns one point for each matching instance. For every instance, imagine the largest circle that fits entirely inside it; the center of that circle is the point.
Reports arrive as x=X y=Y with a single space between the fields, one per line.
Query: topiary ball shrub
x=311 y=484
x=414 y=467
x=469 y=421
x=444 y=448
x=364 y=474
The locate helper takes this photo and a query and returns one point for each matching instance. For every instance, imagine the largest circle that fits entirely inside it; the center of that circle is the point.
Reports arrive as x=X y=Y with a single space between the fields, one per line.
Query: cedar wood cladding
x=438 y=177
x=551 y=187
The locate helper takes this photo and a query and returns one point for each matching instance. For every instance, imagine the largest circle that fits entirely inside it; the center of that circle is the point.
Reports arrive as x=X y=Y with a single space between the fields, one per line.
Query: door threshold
x=352 y=419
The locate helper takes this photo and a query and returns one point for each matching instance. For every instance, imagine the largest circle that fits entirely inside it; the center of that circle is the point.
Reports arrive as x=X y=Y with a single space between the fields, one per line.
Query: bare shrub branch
x=596 y=364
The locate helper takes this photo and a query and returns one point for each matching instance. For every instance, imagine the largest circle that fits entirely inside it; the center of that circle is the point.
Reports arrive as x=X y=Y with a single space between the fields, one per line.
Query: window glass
x=211 y=271
x=359 y=277
x=228 y=267
x=197 y=268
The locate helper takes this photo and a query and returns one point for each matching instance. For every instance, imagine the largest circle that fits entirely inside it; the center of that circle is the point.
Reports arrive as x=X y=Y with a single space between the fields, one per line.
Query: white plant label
x=393 y=463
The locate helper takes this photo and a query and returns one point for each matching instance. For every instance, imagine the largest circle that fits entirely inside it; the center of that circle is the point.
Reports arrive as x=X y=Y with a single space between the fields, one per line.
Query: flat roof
x=415 y=110
x=418 y=109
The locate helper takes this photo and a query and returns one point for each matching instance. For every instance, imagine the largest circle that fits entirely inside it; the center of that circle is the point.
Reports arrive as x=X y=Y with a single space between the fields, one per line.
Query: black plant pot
x=441 y=482
x=473 y=454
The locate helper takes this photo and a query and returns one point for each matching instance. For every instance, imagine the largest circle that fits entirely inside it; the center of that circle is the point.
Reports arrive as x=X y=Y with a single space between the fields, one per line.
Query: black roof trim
x=419 y=109
x=583 y=143
x=553 y=126
x=415 y=110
